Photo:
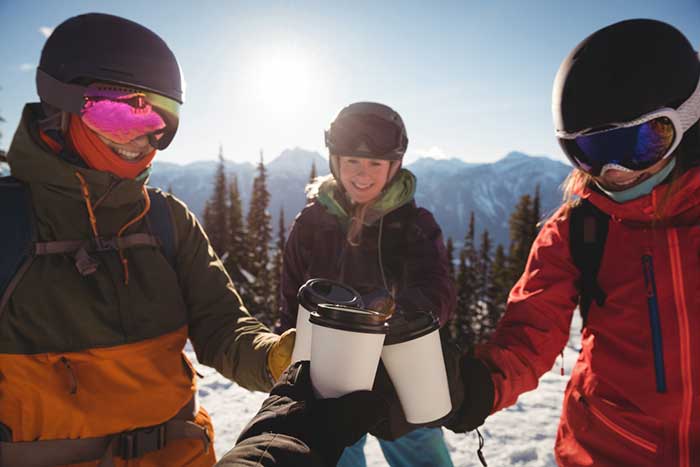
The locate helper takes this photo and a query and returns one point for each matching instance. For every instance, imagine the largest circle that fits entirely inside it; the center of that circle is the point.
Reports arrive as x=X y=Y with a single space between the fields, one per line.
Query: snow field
x=522 y=435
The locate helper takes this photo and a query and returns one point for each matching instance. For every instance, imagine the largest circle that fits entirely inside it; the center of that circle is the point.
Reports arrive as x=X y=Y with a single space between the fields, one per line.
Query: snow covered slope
x=521 y=435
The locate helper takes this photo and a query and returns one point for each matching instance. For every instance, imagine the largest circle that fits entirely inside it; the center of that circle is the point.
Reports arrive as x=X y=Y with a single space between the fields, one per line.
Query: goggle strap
x=689 y=111
x=67 y=97
x=52 y=122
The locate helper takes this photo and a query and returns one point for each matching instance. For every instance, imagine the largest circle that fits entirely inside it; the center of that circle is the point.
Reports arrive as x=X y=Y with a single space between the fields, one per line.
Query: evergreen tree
x=500 y=287
x=215 y=220
x=207 y=217
x=2 y=152
x=467 y=299
x=312 y=175
x=259 y=236
x=520 y=237
x=450 y=330
x=277 y=267
x=487 y=295
x=237 y=253
x=535 y=222
x=450 y=257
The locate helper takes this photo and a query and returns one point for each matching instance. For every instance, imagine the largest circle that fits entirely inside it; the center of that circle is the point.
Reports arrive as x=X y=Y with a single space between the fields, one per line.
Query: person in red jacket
x=626 y=104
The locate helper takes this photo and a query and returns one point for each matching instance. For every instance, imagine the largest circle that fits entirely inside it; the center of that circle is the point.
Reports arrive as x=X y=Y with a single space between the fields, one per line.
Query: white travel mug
x=412 y=356
x=346 y=344
x=310 y=295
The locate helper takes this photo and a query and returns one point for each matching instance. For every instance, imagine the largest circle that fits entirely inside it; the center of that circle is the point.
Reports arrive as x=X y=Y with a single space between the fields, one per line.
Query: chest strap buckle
x=135 y=444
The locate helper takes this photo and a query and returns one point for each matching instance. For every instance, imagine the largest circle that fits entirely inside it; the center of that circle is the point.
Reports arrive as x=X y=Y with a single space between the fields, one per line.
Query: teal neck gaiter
x=643 y=188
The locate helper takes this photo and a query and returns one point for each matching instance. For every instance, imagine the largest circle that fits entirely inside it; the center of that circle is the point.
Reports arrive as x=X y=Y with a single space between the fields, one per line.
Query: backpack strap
x=160 y=221
x=588 y=230
x=16 y=236
x=18 y=245
x=128 y=445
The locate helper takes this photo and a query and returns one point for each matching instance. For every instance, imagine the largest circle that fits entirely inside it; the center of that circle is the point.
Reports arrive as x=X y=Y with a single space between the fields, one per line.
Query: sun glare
x=284 y=80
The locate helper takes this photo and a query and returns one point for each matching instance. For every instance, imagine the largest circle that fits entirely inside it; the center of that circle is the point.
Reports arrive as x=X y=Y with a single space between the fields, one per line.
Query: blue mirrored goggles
x=635 y=148
x=634 y=145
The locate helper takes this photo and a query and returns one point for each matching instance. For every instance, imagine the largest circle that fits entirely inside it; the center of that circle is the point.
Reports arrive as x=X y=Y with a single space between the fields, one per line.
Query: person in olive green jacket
x=94 y=322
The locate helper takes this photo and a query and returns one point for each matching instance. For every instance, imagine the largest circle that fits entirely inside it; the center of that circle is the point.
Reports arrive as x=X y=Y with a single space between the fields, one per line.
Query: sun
x=284 y=79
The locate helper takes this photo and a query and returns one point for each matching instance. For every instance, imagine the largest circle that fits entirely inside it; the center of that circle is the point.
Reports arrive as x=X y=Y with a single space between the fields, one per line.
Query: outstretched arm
x=293 y=428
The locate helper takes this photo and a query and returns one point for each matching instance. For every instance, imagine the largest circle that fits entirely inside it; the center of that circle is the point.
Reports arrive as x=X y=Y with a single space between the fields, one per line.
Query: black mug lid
x=349 y=318
x=407 y=325
x=317 y=291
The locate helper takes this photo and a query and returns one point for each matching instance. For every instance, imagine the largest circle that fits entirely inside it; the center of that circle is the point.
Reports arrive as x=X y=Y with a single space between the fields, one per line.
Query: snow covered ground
x=522 y=435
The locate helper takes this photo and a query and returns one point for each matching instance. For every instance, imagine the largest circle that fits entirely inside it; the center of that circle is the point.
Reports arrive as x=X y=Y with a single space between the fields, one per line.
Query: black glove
x=478 y=396
x=396 y=425
x=326 y=426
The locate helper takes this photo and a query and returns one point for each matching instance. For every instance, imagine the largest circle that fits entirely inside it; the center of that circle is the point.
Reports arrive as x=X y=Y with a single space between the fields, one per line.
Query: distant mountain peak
x=516 y=156
x=297 y=159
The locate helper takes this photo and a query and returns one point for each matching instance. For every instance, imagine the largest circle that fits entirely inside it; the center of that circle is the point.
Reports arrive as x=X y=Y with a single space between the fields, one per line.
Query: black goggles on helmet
x=366 y=135
x=633 y=145
x=118 y=112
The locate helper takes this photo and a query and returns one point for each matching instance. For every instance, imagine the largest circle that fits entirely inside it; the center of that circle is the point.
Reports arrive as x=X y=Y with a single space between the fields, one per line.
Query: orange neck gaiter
x=99 y=156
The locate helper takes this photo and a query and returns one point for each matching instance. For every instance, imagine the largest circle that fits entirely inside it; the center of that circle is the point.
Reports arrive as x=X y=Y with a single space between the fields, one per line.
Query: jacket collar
x=674 y=200
x=33 y=162
x=399 y=192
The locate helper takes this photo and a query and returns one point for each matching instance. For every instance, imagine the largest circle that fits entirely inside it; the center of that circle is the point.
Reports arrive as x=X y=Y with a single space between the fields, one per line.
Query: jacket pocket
x=594 y=411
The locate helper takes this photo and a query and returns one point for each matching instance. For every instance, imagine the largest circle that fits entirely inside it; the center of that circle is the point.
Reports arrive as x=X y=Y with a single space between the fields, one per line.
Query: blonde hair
x=357 y=213
x=357 y=220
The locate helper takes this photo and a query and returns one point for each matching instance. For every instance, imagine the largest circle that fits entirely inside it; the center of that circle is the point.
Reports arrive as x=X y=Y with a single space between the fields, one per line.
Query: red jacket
x=634 y=394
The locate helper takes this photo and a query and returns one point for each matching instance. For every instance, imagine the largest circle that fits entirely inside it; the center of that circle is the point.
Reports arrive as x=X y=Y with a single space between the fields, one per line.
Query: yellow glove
x=280 y=354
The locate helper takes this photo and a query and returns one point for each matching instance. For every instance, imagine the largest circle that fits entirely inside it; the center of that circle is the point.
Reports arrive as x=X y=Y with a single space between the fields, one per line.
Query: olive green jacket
x=56 y=309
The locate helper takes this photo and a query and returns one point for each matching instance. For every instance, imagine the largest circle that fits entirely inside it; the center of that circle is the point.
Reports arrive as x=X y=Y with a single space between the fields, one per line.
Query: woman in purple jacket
x=363 y=228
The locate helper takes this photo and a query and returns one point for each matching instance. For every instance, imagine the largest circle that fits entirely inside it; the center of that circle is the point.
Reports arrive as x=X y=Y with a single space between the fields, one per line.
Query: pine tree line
x=246 y=245
x=484 y=277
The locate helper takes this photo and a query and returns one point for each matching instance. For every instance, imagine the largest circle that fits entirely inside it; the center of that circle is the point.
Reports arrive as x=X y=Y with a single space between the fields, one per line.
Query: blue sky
x=472 y=79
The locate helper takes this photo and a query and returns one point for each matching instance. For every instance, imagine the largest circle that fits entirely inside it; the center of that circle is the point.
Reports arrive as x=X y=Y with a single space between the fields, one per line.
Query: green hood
x=399 y=192
x=33 y=162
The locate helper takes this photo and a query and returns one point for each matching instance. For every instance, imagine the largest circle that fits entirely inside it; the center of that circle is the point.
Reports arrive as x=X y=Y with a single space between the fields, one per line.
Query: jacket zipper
x=684 y=337
x=654 y=322
x=638 y=440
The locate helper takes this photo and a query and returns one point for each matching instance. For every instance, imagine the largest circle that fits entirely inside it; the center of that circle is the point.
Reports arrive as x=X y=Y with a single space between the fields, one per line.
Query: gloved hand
x=478 y=396
x=280 y=354
x=396 y=424
x=326 y=426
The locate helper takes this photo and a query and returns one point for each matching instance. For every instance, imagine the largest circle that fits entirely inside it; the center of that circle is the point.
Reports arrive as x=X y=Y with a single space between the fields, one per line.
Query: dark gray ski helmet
x=621 y=72
x=97 y=47
x=369 y=130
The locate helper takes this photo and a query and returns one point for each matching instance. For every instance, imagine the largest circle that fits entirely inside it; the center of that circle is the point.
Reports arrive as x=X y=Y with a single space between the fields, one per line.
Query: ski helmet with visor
x=625 y=96
x=368 y=130
x=118 y=76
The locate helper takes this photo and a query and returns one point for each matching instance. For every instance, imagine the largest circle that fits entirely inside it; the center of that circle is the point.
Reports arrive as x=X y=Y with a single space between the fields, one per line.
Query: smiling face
x=131 y=151
x=363 y=179
x=614 y=179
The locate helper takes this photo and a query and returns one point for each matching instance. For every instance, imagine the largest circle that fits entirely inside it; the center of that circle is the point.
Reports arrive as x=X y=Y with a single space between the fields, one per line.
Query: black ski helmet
x=621 y=72
x=97 y=47
x=348 y=135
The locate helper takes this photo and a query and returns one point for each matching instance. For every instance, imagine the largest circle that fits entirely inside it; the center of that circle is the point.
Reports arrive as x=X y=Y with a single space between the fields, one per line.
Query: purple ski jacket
x=413 y=259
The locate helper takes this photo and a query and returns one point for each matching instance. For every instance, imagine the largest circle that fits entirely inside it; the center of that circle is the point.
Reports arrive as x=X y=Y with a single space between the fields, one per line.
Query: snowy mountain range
x=450 y=188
